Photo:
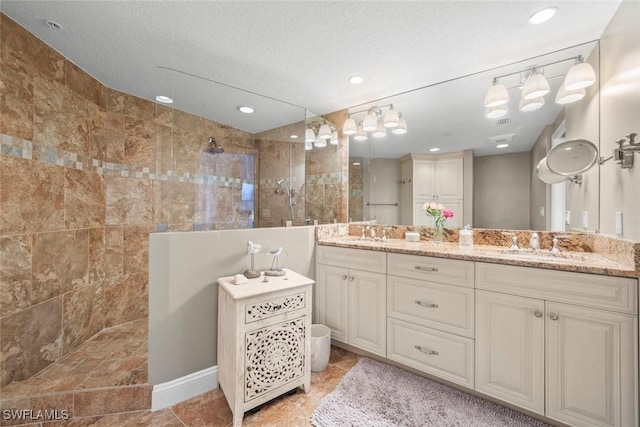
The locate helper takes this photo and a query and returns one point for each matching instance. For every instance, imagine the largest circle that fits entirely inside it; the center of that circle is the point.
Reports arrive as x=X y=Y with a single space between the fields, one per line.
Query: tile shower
x=86 y=173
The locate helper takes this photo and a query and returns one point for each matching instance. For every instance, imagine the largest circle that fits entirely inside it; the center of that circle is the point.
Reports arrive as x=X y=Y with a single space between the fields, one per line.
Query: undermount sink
x=542 y=255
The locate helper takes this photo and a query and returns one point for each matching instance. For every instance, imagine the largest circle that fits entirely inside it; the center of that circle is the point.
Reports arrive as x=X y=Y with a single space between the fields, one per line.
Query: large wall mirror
x=500 y=188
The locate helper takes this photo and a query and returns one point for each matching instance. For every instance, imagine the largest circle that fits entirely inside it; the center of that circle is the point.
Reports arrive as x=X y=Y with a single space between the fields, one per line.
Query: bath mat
x=373 y=394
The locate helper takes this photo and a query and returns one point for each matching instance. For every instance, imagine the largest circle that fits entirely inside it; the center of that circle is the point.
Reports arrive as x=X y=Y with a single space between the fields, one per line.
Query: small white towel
x=240 y=279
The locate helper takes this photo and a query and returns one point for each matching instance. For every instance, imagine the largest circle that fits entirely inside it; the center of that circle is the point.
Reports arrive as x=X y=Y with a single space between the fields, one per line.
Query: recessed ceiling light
x=504 y=145
x=543 y=15
x=164 y=99
x=356 y=163
x=52 y=24
x=356 y=80
x=434 y=149
x=293 y=136
x=245 y=109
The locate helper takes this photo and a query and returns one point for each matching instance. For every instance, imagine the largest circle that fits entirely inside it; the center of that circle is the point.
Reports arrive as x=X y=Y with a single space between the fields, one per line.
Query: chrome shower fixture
x=213 y=147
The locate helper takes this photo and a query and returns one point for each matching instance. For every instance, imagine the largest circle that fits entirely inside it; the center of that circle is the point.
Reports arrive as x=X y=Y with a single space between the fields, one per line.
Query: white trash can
x=320 y=347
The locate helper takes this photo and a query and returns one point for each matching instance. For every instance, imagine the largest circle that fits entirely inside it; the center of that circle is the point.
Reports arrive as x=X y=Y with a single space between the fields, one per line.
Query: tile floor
x=114 y=357
x=211 y=409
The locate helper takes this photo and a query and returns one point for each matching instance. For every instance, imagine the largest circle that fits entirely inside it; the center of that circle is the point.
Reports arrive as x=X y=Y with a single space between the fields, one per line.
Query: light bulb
x=360 y=135
x=324 y=132
x=580 y=76
x=401 y=129
x=370 y=122
x=535 y=86
x=391 y=118
x=309 y=135
x=320 y=142
x=308 y=146
x=568 y=96
x=496 y=95
x=334 y=138
x=349 y=127
x=527 y=105
x=380 y=130
x=496 y=112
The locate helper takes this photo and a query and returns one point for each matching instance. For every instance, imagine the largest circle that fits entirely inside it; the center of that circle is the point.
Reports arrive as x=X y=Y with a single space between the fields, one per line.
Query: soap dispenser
x=466 y=237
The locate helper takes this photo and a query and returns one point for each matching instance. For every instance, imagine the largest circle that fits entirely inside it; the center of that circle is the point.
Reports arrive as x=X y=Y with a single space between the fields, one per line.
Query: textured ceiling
x=300 y=52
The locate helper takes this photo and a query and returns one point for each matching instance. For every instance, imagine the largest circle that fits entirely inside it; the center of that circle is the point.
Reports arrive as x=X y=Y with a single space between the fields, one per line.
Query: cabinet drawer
x=448 y=271
x=444 y=307
x=273 y=307
x=373 y=261
x=447 y=356
x=590 y=290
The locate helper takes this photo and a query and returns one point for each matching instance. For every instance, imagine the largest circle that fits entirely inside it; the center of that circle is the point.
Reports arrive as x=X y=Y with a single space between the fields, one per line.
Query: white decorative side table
x=264 y=339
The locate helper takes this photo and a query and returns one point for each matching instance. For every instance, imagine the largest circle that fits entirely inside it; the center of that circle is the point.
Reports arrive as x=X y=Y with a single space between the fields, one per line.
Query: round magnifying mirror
x=546 y=175
x=572 y=157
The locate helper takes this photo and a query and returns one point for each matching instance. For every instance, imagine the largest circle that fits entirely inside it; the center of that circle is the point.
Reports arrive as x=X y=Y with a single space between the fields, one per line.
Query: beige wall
x=620 y=115
x=183 y=292
x=501 y=191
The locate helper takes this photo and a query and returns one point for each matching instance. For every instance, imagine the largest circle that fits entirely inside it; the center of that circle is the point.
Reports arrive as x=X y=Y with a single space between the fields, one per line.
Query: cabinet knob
x=344 y=277
x=351 y=279
x=537 y=313
x=554 y=316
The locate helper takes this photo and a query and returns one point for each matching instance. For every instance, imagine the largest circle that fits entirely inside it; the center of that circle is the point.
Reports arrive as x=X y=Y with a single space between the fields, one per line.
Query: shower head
x=213 y=147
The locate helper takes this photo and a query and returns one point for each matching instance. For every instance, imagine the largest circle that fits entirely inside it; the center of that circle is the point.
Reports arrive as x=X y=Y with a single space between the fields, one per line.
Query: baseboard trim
x=184 y=388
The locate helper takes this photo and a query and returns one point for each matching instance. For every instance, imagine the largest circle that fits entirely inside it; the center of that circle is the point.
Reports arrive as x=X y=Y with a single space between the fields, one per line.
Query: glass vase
x=437 y=234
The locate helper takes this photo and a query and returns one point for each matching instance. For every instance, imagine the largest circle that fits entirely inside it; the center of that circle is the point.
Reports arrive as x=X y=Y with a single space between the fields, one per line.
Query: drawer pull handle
x=537 y=313
x=426 y=351
x=554 y=316
x=426 y=304
x=344 y=277
x=433 y=269
x=351 y=279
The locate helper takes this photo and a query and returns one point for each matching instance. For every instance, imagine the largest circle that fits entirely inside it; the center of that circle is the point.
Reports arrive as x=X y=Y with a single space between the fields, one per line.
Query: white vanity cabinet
x=351 y=296
x=562 y=344
x=264 y=339
x=430 y=315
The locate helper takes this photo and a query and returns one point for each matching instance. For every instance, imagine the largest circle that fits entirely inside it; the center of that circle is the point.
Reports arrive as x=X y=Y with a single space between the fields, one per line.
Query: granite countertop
x=582 y=262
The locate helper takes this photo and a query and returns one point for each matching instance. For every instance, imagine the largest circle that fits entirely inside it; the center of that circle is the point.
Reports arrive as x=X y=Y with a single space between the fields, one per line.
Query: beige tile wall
x=86 y=173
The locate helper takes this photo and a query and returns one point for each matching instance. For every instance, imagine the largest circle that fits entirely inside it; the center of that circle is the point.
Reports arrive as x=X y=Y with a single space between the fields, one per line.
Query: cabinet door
x=423 y=175
x=591 y=366
x=510 y=349
x=448 y=179
x=331 y=302
x=368 y=311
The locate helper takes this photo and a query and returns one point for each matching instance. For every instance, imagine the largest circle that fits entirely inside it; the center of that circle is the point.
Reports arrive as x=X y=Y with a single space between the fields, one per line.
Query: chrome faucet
x=514 y=241
x=534 y=242
x=373 y=233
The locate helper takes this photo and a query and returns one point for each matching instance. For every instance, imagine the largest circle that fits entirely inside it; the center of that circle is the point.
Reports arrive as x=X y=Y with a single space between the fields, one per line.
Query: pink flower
x=447 y=213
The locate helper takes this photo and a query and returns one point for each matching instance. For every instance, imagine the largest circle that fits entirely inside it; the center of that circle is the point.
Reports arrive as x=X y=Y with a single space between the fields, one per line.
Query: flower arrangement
x=439 y=213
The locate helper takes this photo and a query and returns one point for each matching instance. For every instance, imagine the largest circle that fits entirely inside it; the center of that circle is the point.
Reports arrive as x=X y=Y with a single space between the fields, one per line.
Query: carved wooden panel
x=274 y=307
x=274 y=356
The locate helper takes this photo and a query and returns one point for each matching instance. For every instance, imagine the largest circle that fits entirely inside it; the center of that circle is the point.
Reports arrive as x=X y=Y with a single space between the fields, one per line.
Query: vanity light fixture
x=527 y=105
x=164 y=99
x=245 y=109
x=401 y=129
x=308 y=145
x=360 y=135
x=543 y=15
x=334 y=138
x=581 y=75
x=568 y=96
x=535 y=86
x=324 y=132
x=356 y=80
x=496 y=95
x=309 y=136
x=350 y=127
